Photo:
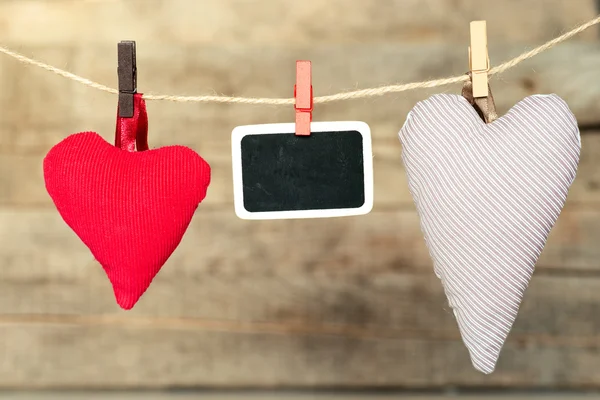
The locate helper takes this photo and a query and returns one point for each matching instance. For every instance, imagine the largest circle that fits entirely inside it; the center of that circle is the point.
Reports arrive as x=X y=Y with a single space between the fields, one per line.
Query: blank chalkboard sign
x=278 y=175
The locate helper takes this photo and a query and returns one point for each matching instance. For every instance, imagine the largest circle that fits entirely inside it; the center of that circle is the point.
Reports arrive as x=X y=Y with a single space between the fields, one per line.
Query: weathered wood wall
x=344 y=302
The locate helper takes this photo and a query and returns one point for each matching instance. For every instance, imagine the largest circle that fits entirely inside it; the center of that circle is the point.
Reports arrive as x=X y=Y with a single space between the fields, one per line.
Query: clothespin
x=303 y=93
x=479 y=60
x=127 y=72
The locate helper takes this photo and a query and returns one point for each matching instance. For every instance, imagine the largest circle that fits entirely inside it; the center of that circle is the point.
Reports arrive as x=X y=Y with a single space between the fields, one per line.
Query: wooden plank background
x=349 y=302
x=170 y=395
x=174 y=395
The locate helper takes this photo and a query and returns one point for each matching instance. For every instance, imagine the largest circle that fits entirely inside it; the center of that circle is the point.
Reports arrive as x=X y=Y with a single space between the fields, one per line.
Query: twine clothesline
x=355 y=94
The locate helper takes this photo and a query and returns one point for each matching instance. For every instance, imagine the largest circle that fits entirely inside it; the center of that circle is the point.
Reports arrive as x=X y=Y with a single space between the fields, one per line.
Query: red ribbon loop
x=132 y=133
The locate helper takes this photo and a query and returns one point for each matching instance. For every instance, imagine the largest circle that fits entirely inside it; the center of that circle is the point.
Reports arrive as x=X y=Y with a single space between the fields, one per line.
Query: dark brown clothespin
x=127 y=72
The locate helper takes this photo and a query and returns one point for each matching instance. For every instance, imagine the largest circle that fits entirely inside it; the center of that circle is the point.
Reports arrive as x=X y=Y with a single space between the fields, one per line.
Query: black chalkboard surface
x=278 y=175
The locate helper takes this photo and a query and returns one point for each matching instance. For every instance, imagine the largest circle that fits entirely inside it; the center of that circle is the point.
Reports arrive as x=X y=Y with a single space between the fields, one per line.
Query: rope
x=356 y=94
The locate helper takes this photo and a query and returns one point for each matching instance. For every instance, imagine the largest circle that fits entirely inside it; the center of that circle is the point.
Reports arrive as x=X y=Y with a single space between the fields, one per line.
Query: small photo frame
x=279 y=175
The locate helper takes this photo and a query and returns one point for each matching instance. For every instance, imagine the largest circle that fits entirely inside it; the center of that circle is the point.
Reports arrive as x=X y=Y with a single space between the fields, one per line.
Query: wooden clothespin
x=127 y=72
x=479 y=60
x=303 y=93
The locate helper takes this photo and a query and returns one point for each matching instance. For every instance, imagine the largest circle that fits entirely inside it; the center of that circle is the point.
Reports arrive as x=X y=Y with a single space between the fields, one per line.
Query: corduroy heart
x=487 y=197
x=130 y=208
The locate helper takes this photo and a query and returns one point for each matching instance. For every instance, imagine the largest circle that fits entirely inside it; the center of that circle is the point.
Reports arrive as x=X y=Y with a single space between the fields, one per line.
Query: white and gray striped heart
x=487 y=196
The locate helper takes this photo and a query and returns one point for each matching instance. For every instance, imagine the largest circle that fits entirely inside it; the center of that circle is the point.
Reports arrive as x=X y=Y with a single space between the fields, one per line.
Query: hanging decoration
x=304 y=169
x=128 y=204
x=488 y=190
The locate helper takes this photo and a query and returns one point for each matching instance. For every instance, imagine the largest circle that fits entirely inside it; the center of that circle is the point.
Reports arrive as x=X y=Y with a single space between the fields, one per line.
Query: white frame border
x=236 y=152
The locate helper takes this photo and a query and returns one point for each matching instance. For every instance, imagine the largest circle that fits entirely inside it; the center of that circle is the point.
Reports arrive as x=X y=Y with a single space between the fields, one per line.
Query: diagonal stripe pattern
x=487 y=198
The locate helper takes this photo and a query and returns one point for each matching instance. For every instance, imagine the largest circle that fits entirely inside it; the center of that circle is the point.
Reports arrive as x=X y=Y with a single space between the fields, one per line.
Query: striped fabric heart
x=487 y=197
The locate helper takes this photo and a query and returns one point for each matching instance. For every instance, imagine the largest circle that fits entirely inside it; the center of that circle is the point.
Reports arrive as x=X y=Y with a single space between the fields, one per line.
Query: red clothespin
x=303 y=93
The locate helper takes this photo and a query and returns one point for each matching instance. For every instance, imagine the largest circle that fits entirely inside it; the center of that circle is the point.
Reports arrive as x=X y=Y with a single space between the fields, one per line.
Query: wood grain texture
x=42 y=258
x=121 y=358
x=396 y=333
x=38 y=246
x=285 y=21
x=277 y=395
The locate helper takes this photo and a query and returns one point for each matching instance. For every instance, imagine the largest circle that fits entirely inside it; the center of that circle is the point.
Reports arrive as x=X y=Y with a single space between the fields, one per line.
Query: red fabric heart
x=130 y=208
